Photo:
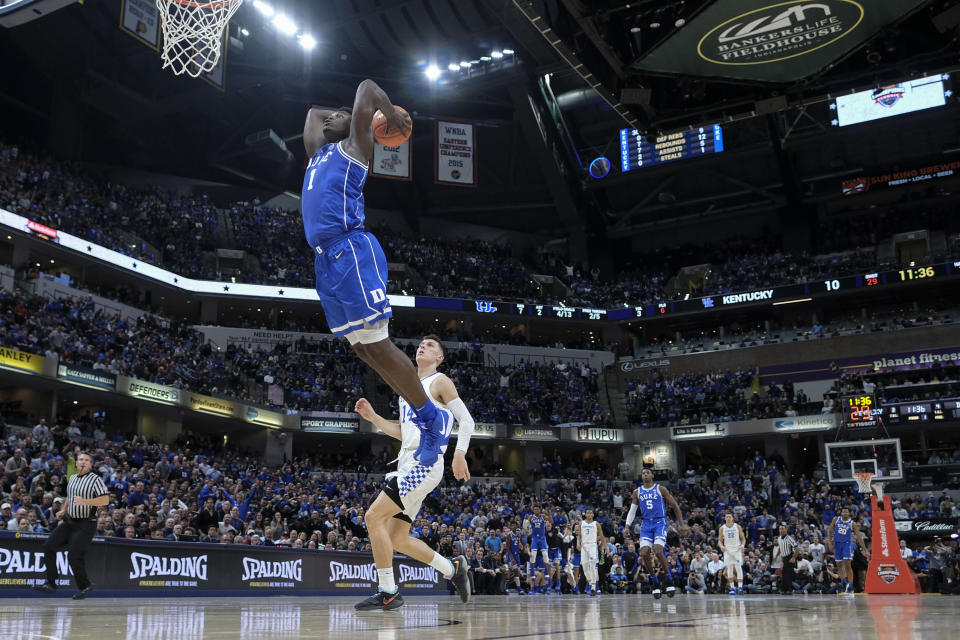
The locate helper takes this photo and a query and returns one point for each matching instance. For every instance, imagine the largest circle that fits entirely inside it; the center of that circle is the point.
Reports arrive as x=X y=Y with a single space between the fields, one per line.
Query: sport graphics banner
x=391 y=162
x=770 y=40
x=145 y=567
x=456 y=159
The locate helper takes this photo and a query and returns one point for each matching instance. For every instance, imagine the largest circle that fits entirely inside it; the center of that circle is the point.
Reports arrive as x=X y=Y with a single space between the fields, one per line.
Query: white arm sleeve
x=465 y=420
x=631 y=514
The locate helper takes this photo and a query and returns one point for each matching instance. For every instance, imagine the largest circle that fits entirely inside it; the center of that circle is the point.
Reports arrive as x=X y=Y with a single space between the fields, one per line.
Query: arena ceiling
x=88 y=90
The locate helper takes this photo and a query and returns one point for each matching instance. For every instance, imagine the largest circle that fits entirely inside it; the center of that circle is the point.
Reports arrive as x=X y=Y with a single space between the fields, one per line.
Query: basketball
x=392 y=138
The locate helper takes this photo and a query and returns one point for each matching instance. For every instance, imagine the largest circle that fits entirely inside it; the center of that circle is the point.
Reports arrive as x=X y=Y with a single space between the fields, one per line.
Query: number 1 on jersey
x=313 y=172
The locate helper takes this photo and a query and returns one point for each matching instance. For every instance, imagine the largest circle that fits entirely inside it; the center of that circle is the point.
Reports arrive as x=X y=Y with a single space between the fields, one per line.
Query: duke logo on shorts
x=350 y=266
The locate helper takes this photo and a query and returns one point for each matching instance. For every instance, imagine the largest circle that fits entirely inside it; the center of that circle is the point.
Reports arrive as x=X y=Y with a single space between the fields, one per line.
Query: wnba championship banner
x=391 y=162
x=141 y=19
x=456 y=158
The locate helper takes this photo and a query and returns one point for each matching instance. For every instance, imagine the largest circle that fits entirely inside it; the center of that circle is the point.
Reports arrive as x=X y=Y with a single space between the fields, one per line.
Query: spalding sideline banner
x=771 y=41
x=151 y=567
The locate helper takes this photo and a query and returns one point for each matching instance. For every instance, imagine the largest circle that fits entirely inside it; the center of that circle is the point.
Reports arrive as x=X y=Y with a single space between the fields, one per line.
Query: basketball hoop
x=193 y=33
x=864 y=478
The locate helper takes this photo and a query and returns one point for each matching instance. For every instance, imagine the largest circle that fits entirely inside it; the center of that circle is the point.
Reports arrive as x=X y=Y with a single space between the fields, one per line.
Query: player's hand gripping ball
x=392 y=131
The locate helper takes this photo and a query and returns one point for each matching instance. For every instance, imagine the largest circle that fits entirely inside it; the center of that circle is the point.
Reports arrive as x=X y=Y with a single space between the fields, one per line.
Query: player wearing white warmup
x=732 y=542
x=590 y=536
x=392 y=513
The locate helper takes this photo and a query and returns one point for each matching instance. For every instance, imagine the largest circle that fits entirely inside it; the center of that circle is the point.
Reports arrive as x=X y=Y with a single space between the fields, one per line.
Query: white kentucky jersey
x=731 y=538
x=410 y=432
x=588 y=533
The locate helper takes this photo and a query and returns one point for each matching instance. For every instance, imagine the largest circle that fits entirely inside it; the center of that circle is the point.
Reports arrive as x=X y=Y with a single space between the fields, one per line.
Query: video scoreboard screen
x=637 y=152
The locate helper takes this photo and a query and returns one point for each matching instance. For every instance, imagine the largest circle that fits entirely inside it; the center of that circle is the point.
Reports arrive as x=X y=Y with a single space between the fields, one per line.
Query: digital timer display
x=860 y=411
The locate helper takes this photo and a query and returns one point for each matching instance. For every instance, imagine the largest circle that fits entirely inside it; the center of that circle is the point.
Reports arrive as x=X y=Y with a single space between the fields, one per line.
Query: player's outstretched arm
x=365 y=409
x=833 y=524
x=370 y=98
x=720 y=541
x=447 y=393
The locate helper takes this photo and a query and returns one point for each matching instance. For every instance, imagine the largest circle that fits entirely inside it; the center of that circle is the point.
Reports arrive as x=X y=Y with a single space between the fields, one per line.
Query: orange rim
x=206 y=5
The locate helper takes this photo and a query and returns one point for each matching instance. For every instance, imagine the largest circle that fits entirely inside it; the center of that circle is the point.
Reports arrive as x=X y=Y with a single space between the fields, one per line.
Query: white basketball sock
x=387 y=585
x=442 y=565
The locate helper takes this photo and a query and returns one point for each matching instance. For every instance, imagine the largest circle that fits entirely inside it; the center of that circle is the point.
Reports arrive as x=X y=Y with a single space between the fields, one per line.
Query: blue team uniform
x=843 y=540
x=515 y=547
x=350 y=266
x=653 y=516
x=538 y=537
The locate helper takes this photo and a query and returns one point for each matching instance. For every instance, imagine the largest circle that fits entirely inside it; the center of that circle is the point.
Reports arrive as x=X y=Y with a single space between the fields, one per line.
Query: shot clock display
x=860 y=411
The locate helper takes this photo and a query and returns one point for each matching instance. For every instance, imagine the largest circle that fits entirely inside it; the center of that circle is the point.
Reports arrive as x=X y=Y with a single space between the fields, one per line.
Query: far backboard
x=881 y=457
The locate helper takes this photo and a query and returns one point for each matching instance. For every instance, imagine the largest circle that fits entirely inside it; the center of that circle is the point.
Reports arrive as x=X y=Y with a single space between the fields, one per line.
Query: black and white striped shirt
x=787 y=545
x=88 y=486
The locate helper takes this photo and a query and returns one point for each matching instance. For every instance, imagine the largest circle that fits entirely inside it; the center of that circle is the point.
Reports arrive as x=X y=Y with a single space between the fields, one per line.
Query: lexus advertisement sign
x=120 y=567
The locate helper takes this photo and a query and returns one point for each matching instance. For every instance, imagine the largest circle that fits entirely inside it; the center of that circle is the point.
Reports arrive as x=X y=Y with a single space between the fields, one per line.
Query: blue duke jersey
x=349 y=265
x=652 y=505
x=538 y=536
x=332 y=196
x=843 y=531
x=843 y=540
x=653 y=516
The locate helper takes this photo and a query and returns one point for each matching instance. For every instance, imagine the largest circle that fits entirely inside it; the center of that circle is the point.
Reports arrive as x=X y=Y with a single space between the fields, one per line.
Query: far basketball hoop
x=864 y=480
x=193 y=33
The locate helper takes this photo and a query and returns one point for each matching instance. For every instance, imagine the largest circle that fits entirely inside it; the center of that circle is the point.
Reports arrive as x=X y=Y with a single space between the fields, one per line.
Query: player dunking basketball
x=350 y=267
x=391 y=515
x=839 y=541
x=652 y=499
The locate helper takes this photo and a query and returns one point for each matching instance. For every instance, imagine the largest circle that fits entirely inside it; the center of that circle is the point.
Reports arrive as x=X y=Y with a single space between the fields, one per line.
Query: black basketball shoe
x=460 y=579
x=380 y=600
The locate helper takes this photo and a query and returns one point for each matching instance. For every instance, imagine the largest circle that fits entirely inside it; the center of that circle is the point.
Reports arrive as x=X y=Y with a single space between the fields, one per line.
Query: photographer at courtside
x=78 y=522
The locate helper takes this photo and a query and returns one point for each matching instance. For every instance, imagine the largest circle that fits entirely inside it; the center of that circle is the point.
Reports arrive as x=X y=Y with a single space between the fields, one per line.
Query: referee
x=787 y=548
x=85 y=492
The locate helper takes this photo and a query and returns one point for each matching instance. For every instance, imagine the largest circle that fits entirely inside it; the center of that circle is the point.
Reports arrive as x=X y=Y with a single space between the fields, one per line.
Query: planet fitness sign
x=771 y=41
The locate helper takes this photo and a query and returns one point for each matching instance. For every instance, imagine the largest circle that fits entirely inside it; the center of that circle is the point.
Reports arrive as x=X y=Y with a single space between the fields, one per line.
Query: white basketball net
x=863 y=483
x=193 y=33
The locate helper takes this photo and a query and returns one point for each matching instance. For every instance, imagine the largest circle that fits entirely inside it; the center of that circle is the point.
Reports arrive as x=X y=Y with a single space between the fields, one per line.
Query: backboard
x=881 y=457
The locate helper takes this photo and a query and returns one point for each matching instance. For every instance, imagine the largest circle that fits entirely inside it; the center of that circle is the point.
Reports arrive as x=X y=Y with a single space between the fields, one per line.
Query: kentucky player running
x=390 y=516
x=351 y=270
x=839 y=541
x=732 y=541
x=589 y=537
x=652 y=499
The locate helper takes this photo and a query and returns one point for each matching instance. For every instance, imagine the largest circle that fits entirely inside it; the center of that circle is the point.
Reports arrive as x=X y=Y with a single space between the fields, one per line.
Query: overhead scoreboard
x=636 y=151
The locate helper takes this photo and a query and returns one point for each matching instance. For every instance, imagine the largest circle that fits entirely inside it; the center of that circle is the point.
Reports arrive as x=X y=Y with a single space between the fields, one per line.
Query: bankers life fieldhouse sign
x=768 y=40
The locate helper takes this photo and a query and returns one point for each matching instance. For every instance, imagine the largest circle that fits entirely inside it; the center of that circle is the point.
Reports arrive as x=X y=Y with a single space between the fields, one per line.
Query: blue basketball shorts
x=653 y=532
x=576 y=559
x=537 y=543
x=554 y=555
x=843 y=551
x=351 y=280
